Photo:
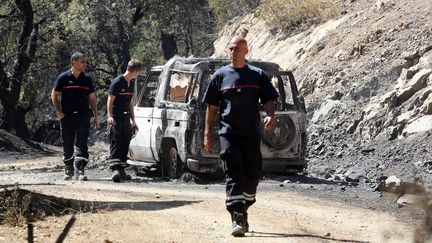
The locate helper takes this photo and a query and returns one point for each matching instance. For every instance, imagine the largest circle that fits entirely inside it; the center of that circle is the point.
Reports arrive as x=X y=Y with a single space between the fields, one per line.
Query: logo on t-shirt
x=123 y=90
x=70 y=82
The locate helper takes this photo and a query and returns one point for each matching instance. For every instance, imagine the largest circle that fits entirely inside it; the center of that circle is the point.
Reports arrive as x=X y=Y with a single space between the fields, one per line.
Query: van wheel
x=283 y=133
x=171 y=163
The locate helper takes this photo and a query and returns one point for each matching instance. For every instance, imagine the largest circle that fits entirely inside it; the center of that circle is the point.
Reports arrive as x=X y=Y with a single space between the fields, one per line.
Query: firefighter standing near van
x=121 y=119
x=235 y=91
x=77 y=92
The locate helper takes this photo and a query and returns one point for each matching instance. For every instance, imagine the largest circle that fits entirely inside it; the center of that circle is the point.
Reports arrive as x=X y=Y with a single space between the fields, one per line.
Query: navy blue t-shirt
x=123 y=93
x=237 y=92
x=75 y=91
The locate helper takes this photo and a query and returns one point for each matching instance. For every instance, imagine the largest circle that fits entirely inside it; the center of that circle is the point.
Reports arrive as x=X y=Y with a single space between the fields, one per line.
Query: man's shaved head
x=237 y=50
x=238 y=40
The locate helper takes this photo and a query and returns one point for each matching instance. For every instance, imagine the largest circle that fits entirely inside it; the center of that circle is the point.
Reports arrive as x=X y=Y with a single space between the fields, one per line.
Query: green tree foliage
x=19 y=25
x=226 y=10
x=109 y=33
x=191 y=22
x=292 y=16
x=105 y=31
x=50 y=59
x=43 y=66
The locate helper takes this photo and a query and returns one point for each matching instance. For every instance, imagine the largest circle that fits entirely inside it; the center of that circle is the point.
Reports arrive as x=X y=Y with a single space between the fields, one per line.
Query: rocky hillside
x=367 y=80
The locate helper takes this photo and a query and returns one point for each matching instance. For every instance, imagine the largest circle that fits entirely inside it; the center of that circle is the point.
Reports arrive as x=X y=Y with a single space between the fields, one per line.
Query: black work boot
x=79 y=167
x=80 y=175
x=69 y=172
x=246 y=223
x=119 y=174
x=124 y=175
x=116 y=176
x=237 y=224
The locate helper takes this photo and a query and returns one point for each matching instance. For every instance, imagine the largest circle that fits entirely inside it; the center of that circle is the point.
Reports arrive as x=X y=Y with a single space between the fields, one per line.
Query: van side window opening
x=196 y=90
x=285 y=100
x=148 y=89
x=289 y=99
x=197 y=86
x=179 y=86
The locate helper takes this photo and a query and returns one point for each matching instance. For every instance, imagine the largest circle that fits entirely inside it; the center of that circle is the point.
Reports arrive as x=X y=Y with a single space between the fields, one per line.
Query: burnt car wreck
x=170 y=114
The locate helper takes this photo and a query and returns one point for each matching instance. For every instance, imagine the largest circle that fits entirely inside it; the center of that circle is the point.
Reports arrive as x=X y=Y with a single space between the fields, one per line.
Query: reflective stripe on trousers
x=241 y=161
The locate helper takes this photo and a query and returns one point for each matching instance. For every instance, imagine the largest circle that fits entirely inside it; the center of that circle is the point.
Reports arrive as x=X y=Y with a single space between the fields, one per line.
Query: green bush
x=226 y=10
x=296 y=15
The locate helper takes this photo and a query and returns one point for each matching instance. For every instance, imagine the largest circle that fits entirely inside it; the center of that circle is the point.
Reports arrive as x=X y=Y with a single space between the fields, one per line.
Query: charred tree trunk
x=6 y=119
x=189 y=34
x=124 y=52
x=10 y=87
x=119 y=57
x=20 y=125
x=169 y=45
x=7 y=107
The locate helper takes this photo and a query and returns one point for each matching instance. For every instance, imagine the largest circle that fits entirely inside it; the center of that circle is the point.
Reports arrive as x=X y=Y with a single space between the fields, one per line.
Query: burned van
x=171 y=118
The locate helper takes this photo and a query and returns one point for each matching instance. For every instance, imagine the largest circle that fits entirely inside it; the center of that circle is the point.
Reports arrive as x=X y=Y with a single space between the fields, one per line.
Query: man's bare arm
x=55 y=100
x=132 y=116
x=270 y=109
x=93 y=105
x=210 y=119
x=131 y=111
x=110 y=114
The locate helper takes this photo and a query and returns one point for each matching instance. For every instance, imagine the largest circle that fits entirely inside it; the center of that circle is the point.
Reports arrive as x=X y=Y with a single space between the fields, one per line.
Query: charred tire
x=171 y=162
x=283 y=133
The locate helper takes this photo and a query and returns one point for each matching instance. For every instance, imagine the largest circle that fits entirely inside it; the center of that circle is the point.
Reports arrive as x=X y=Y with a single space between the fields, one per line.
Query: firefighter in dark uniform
x=235 y=91
x=77 y=92
x=121 y=119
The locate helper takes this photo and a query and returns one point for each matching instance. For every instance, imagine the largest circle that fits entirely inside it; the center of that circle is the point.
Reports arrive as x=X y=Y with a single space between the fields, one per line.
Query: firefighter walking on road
x=121 y=119
x=77 y=92
x=235 y=91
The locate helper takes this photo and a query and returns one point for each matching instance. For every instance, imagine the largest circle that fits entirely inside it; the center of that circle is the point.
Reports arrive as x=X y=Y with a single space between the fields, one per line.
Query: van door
x=172 y=116
x=140 y=146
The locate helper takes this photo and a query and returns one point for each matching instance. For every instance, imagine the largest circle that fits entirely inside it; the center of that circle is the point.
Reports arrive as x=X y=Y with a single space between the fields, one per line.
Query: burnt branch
x=105 y=71
x=33 y=42
x=24 y=58
x=3 y=82
x=138 y=14
x=106 y=50
x=123 y=53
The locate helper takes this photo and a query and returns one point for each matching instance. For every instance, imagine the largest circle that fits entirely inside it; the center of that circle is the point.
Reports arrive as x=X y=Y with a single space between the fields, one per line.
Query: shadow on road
x=57 y=205
x=255 y=234
x=42 y=204
x=6 y=186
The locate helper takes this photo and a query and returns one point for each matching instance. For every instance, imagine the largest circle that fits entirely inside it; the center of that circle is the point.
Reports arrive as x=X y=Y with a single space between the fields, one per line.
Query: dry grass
x=19 y=207
x=293 y=16
x=14 y=207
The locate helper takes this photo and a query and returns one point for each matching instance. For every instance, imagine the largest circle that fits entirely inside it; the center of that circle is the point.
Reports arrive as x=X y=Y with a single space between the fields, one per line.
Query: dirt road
x=151 y=210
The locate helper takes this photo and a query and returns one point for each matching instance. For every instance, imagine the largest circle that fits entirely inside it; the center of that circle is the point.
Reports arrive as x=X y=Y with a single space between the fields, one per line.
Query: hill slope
x=366 y=77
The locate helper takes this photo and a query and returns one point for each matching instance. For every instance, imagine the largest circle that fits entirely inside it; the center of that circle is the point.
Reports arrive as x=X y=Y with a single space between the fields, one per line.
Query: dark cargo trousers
x=75 y=128
x=242 y=162
x=119 y=146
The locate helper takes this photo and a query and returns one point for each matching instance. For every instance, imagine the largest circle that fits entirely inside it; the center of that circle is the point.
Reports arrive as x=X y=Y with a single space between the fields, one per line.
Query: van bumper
x=204 y=165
